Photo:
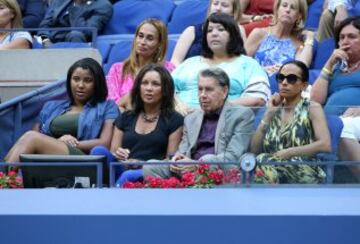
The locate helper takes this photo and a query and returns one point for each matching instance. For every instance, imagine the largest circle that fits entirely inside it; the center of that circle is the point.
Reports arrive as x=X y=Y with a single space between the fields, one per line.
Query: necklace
x=147 y=119
x=353 y=67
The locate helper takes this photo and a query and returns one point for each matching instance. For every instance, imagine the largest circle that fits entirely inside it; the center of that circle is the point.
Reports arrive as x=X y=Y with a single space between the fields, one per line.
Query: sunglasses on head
x=291 y=79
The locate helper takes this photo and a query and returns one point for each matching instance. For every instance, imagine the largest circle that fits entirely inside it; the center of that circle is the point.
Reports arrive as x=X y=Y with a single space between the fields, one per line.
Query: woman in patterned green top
x=292 y=129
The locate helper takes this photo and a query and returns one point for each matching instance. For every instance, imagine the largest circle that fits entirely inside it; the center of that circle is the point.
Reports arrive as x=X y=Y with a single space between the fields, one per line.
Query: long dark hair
x=235 y=46
x=167 y=89
x=100 y=88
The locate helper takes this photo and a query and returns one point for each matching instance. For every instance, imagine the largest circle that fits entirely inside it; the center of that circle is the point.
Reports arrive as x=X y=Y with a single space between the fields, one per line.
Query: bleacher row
x=114 y=43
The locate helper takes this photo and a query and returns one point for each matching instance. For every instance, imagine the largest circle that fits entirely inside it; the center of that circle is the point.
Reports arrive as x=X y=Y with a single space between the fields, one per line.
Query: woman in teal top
x=223 y=47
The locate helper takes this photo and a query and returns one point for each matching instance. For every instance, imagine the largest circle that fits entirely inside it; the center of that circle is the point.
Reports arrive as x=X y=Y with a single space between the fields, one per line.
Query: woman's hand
x=351 y=112
x=338 y=54
x=274 y=104
x=69 y=140
x=122 y=153
x=283 y=154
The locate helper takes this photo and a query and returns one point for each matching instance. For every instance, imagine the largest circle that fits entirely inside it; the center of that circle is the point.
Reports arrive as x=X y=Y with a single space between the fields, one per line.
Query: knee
x=75 y=36
x=130 y=175
x=99 y=150
x=29 y=137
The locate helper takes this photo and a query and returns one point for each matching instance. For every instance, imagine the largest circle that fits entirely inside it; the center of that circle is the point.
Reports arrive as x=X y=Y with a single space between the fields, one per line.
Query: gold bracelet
x=324 y=76
x=326 y=71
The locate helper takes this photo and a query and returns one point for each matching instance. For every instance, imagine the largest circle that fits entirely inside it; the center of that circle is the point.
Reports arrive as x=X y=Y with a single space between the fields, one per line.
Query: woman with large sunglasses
x=292 y=129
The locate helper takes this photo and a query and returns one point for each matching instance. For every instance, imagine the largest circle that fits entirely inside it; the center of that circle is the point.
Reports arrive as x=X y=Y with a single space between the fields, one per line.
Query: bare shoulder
x=189 y=32
x=258 y=34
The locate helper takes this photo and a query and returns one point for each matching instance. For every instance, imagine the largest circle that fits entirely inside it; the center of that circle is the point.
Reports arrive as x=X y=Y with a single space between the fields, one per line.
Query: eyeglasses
x=291 y=79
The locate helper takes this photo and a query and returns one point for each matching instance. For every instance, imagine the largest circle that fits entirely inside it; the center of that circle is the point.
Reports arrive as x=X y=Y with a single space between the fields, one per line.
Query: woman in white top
x=10 y=17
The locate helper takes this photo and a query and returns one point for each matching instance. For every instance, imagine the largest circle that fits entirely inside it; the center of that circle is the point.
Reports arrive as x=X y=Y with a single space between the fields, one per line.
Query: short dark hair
x=354 y=21
x=100 y=88
x=304 y=69
x=219 y=75
x=235 y=46
x=167 y=89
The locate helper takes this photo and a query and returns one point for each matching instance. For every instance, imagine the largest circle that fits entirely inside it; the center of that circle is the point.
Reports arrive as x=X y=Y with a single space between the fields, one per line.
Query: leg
x=101 y=150
x=130 y=175
x=326 y=26
x=75 y=36
x=35 y=142
x=162 y=171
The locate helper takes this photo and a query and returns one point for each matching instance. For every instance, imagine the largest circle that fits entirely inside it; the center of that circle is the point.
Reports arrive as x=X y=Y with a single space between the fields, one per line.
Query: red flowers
x=202 y=177
x=10 y=180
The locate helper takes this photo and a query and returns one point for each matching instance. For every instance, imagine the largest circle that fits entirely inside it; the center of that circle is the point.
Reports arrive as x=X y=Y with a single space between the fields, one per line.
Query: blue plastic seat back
x=314 y=13
x=118 y=53
x=128 y=14
x=70 y=45
x=170 y=49
x=188 y=13
x=335 y=126
x=104 y=43
x=323 y=51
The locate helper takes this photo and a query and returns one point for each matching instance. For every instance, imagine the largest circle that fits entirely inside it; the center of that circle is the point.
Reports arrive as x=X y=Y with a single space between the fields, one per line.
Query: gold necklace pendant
x=147 y=119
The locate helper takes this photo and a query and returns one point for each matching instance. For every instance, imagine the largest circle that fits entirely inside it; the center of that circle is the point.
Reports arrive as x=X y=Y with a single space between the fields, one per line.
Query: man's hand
x=181 y=169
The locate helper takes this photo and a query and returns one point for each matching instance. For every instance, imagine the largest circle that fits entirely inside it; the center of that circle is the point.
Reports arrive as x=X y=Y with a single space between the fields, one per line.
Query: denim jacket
x=91 y=119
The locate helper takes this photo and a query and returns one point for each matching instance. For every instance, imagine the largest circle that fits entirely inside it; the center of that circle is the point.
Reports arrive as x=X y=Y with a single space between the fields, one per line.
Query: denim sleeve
x=111 y=110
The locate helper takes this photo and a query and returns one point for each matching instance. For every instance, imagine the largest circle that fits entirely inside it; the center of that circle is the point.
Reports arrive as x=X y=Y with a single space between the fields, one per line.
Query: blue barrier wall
x=241 y=215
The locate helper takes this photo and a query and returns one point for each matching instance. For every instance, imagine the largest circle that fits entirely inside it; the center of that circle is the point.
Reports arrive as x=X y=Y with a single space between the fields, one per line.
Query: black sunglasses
x=291 y=79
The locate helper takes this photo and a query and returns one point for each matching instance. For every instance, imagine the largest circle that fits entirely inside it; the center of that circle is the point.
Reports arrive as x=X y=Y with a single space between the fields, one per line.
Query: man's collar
x=215 y=114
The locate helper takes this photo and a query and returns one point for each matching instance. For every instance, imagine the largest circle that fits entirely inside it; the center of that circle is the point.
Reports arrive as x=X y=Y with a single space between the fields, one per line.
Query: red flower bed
x=10 y=180
x=202 y=177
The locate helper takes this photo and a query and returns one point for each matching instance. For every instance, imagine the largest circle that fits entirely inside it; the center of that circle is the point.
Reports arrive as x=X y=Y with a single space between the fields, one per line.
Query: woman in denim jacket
x=75 y=125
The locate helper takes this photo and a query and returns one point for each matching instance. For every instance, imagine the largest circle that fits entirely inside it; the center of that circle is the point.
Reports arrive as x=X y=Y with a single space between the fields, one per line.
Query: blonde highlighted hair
x=300 y=23
x=16 y=21
x=236 y=9
x=132 y=62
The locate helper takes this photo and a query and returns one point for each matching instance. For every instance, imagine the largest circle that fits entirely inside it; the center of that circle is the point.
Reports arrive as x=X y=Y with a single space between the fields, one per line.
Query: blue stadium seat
x=170 y=49
x=70 y=45
x=335 y=125
x=128 y=14
x=187 y=13
x=105 y=43
x=314 y=13
x=118 y=53
x=323 y=51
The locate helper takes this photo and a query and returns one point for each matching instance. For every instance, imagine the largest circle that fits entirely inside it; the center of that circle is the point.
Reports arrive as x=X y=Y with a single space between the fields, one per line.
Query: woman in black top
x=153 y=129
